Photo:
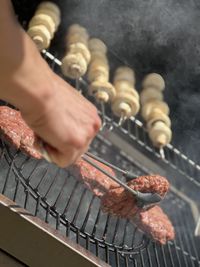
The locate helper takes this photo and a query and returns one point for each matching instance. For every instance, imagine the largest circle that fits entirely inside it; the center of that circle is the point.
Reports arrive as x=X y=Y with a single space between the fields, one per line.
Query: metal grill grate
x=50 y=193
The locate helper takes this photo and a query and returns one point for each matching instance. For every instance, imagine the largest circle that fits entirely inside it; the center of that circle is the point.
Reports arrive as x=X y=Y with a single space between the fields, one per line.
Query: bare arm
x=51 y=107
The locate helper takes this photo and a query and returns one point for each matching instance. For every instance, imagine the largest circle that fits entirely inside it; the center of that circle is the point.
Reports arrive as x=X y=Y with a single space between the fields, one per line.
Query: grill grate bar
x=192 y=242
x=57 y=221
x=117 y=257
x=171 y=257
x=106 y=227
x=78 y=236
x=16 y=189
x=8 y=174
x=47 y=214
x=88 y=213
x=149 y=257
x=164 y=258
x=87 y=242
x=79 y=206
x=115 y=231
x=142 y=258
x=96 y=222
x=156 y=255
x=125 y=230
x=133 y=238
x=97 y=248
x=52 y=183
x=126 y=261
x=59 y=195
x=31 y=174
x=69 y=200
x=24 y=163
x=107 y=254
x=179 y=238
x=26 y=197
x=41 y=180
x=186 y=241
x=67 y=228
x=37 y=205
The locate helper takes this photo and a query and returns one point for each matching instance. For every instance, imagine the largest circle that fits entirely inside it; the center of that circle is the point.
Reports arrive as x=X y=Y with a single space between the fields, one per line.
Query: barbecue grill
x=62 y=201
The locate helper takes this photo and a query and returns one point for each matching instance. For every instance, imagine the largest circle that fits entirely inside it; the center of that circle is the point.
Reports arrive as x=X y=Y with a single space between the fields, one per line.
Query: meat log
x=14 y=130
x=94 y=179
x=156 y=224
x=122 y=203
x=153 y=222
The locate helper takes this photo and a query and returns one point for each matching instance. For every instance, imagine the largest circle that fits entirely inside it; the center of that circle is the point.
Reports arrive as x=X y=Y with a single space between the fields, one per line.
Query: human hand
x=67 y=125
x=57 y=113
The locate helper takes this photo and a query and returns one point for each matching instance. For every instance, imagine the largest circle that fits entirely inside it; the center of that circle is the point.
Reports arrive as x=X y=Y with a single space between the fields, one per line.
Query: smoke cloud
x=152 y=36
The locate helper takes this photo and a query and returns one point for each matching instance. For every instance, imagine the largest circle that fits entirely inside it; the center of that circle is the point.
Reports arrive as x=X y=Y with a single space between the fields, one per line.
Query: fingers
x=68 y=124
x=63 y=159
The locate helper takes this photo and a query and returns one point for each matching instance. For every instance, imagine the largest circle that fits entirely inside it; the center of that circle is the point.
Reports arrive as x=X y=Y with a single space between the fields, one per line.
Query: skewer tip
x=162 y=153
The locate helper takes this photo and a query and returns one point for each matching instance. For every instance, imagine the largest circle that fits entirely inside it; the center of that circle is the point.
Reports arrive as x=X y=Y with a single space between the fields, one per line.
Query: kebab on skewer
x=155 y=111
x=77 y=57
x=98 y=72
x=44 y=24
x=98 y=75
x=126 y=102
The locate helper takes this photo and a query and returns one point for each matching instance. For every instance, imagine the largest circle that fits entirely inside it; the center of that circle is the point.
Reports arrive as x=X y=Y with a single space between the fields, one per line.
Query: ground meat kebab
x=94 y=179
x=120 y=202
x=156 y=224
x=14 y=130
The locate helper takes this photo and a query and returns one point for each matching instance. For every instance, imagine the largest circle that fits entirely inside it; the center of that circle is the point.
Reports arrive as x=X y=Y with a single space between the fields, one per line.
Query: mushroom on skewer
x=126 y=102
x=98 y=73
x=44 y=24
x=155 y=111
x=77 y=57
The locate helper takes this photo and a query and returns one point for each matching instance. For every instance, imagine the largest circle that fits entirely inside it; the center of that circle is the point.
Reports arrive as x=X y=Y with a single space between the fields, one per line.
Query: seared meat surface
x=14 y=130
x=120 y=202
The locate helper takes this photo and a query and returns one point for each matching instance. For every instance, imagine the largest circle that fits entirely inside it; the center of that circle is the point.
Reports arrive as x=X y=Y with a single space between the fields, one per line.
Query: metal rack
x=50 y=193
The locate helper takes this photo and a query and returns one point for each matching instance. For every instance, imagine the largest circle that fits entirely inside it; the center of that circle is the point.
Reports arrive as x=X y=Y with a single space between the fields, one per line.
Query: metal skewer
x=103 y=114
x=162 y=153
x=77 y=85
x=121 y=120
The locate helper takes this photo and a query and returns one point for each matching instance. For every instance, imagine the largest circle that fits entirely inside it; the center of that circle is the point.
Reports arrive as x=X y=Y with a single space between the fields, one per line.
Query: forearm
x=10 y=37
x=23 y=73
